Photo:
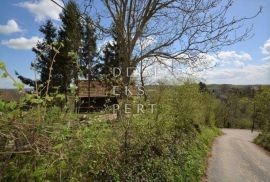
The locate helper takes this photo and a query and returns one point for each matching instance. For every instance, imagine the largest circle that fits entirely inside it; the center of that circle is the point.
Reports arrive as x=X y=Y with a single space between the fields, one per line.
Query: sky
x=246 y=62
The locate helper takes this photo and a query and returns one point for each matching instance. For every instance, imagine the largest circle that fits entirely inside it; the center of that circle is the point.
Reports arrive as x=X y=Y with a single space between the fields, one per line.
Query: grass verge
x=196 y=166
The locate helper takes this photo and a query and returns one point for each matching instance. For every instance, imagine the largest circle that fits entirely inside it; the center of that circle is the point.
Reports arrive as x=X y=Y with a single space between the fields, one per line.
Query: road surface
x=235 y=158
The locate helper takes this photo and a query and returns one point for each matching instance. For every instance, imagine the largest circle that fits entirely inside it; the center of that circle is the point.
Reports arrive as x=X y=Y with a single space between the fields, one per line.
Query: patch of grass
x=195 y=167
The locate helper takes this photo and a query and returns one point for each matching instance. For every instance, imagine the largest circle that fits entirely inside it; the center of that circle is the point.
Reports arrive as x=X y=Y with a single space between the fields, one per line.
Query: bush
x=7 y=106
x=263 y=140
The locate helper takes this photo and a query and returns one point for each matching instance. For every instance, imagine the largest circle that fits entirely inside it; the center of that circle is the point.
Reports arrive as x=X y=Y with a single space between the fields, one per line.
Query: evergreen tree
x=88 y=52
x=44 y=56
x=70 y=35
x=109 y=60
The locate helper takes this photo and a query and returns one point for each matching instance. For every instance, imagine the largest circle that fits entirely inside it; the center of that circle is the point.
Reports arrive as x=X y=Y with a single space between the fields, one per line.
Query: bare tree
x=146 y=63
x=180 y=30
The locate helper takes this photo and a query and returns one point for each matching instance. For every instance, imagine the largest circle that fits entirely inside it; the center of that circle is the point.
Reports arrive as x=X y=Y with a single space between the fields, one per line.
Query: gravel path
x=236 y=159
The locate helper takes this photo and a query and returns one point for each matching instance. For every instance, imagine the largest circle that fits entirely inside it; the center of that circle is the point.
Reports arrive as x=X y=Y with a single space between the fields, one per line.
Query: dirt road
x=236 y=159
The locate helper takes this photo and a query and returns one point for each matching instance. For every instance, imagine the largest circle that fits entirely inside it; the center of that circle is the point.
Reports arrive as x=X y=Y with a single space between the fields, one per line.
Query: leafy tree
x=262 y=109
x=262 y=116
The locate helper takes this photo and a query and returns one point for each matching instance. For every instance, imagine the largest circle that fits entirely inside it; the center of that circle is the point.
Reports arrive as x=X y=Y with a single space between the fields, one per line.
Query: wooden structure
x=96 y=95
x=92 y=89
x=93 y=96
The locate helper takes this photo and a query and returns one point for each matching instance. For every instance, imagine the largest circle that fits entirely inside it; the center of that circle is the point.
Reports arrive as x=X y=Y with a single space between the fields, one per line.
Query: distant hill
x=11 y=94
x=244 y=90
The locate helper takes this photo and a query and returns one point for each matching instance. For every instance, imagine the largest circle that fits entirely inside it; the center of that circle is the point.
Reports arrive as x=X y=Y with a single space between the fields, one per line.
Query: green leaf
x=39 y=171
x=48 y=98
x=4 y=75
x=36 y=101
x=19 y=86
x=2 y=65
x=60 y=97
x=58 y=146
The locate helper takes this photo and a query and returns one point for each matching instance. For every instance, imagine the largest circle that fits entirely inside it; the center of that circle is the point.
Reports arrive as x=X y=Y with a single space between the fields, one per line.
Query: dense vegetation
x=262 y=116
x=244 y=107
x=170 y=144
x=237 y=106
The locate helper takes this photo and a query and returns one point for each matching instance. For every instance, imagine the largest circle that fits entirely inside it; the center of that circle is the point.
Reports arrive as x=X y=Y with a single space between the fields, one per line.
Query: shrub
x=263 y=140
x=169 y=145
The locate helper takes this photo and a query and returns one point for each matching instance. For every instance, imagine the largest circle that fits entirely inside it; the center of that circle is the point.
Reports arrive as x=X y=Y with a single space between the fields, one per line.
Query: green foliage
x=65 y=54
x=262 y=109
x=170 y=144
x=19 y=86
x=44 y=51
x=88 y=52
x=235 y=111
x=263 y=140
x=7 y=106
x=2 y=66
x=3 y=69
x=4 y=75
x=188 y=104
x=195 y=168
x=262 y=116
x=70 y=34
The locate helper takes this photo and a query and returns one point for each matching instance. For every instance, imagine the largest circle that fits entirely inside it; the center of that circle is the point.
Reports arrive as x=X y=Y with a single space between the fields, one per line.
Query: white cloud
x=10 y=27
x=266 y=47
x=249 y=74
x=102 y=44
x=239 y=63
x=144 y=43
x=222 y=58
x=237 y=71
x=22 y=43
x=43 y=9
x=266 y=58
x=233 y=57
